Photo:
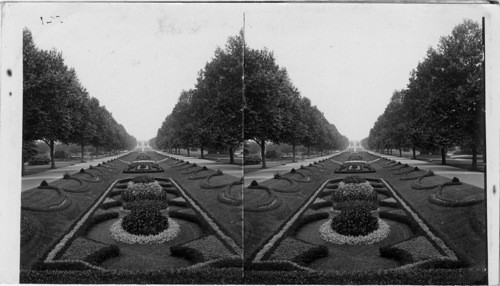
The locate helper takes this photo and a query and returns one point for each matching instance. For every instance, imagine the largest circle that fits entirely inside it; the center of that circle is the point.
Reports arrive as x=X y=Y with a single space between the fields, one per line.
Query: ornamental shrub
x=142 y=180
x=146 y=204
x=355 y=222
x=354 y=192
x=44 y=184
x=140 y=191
x=144 y=221
x=370 y=205
x=353 y=180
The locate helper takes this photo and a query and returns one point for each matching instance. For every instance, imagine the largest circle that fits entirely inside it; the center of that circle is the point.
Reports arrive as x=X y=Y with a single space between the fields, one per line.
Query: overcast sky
x=137 y=58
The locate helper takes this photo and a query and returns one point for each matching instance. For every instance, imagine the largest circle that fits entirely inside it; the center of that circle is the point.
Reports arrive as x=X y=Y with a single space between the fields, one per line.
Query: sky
x=347 y=59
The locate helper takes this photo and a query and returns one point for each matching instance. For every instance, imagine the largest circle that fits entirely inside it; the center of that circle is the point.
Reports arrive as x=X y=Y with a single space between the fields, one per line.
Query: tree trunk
x=414 y=153
x=308 y=151
x=400 y=153
x=231 y=155
x=201 y=149
x=443 y=156
x=263 y=153
x=52 y=161
x=189 y=155
x=293 y=152
x=96 y=152
x=474 y=157
x=83 y=146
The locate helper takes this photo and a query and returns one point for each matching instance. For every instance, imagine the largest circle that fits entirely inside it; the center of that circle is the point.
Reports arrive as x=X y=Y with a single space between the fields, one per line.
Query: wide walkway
x=34 y=180
x=465 y=176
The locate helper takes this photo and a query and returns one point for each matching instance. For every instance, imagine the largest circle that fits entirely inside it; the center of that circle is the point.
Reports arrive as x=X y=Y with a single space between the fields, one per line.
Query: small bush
x=143 y=221
x=370 y=205
x=146 y=204
x=142 y=180
x=353 y=180
x=355 y=222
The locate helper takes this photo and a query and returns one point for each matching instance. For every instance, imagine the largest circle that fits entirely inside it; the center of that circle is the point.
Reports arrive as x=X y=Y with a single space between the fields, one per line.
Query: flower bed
x=328 y=234
x=118 y=233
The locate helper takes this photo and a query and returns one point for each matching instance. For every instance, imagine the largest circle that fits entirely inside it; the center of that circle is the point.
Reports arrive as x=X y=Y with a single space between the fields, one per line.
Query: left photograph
x=125 y=164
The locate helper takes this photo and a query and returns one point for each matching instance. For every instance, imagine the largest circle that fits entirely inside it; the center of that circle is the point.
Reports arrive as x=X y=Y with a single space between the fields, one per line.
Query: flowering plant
x=119 y=234
x=328 y=234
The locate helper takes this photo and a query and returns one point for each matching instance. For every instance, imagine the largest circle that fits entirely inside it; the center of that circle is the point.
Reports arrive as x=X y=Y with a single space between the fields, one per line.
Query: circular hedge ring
x=119 y=234
x=82 y=189
x=328 y=234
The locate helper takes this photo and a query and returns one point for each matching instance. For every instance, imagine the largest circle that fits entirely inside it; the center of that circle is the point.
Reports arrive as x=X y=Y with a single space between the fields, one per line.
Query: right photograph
x=364 y=145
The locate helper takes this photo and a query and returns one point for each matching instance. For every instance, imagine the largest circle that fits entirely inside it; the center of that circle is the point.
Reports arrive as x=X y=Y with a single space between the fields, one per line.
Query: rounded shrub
x=146 y=204
x=142 y=180
x=353 y=180
x=144 y=221
x=355 y=222
x=347 y=205
x=144 y=191
x=354 y=192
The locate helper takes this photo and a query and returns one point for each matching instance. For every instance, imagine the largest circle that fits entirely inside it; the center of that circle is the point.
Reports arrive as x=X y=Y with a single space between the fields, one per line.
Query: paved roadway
x=34 y=180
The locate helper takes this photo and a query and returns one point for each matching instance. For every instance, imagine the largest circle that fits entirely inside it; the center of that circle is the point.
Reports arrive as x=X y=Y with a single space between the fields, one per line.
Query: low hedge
x=104 y=216
x=259 y=273
x=192 y=216
x=179 y=203
x=111 y=204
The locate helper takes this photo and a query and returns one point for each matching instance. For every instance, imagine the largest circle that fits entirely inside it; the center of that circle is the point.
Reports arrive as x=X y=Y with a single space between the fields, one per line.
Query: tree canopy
x=443 y=104
x=57 y=108
x=243 y=94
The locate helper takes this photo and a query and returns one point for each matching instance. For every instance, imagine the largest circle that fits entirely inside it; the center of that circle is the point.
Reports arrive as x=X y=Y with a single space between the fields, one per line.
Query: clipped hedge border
x=321 y=204
x=81 y=189
x=405 y=219
x=384 y=203
x=212 y=224
x=63 y=202
x=177 y=203
x=272 y=203
x=293 y=188
x=98 y=218
x=112 y=204
x=79 y=227
x=439 y=201
x=224 y=197
x=292 y=225
x=460 y=255
x=418 y=185
x=261 y=273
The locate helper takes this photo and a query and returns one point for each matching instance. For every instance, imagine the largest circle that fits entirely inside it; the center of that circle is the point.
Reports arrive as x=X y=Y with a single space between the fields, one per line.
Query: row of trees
x=443 y=104
x=240 y=95
x=57 y=108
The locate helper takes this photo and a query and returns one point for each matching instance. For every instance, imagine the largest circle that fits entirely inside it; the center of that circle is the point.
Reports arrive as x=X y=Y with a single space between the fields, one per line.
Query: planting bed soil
x=409 y=226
